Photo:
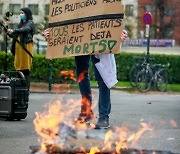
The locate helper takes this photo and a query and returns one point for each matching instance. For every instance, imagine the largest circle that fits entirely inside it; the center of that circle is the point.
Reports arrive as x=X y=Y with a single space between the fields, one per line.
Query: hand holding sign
x=46 y=34
x=123 y=36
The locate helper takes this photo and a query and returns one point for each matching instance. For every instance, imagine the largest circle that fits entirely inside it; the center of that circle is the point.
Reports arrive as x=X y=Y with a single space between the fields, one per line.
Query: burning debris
x=55 y=150
x=60 y=134
x=173 y=123
x=67 y=74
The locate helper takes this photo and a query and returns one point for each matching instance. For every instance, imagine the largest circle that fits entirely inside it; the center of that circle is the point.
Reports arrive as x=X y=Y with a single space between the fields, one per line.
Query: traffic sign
x=147 y=18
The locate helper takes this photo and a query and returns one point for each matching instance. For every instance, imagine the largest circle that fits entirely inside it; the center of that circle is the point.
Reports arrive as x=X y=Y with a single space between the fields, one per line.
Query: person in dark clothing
x=104 y=103
x=24 y=33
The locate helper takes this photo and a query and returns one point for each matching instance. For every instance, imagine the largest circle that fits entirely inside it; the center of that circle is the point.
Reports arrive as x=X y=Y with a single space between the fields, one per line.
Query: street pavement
x=161 y=111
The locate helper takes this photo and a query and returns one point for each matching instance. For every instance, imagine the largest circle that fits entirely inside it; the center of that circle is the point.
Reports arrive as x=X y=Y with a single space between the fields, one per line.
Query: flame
x=47 y=125
x=145 y=127
x=66 y=88
x=68 y=74
x=107 y=142
x=86 y=106
x=120 y=138
x=82 y=76
x=173 y=123
x=86 y=109
x=94 y=150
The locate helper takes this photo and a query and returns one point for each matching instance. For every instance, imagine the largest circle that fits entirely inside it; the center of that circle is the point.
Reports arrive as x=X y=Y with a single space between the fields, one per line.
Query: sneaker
x=84 y=118
x=103 y=123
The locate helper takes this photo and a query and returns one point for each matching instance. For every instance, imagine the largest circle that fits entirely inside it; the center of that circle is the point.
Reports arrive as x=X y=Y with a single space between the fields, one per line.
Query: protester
x=24 y=33
x=104 y=103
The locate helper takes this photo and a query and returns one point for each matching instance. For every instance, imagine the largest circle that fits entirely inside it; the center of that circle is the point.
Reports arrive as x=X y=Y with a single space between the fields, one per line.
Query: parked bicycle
x=156 y=74
x=141 y=62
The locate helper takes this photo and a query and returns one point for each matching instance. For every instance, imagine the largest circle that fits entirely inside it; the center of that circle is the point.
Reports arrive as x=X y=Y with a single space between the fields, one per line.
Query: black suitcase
x=14 y=95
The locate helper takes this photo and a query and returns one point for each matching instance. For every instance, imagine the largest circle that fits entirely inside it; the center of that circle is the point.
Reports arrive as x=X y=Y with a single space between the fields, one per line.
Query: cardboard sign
x=82 y=27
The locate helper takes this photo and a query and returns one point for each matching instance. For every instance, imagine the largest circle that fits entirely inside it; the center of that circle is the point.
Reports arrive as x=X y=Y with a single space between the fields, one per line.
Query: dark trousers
x=104 y=103
x=27 y=77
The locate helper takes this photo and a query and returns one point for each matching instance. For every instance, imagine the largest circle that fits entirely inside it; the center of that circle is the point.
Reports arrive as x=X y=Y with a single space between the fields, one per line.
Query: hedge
x=40 y=67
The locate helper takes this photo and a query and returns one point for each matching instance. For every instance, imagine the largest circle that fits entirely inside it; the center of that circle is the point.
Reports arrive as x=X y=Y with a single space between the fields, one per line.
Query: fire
x=82 y=76
x=87 y=105
x=66 y=88
x=68 y=74
x=94 y=150
x=173 y=123
x=52 y=125
x=47 y=123
x=120 y=138
x=145 y=127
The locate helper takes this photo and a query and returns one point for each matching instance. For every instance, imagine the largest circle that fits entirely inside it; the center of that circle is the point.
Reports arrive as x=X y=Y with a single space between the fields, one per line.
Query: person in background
x=104 y=103
x=24 y=33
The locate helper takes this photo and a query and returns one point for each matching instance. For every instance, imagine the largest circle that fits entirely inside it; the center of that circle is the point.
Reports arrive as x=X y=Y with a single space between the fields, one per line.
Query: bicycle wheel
x=143 y=81
x=132 y=76
x=161 y=80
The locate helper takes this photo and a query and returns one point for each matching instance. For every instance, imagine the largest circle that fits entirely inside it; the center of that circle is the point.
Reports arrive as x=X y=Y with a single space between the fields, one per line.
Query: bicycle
x=152 y=73
x=141 y=63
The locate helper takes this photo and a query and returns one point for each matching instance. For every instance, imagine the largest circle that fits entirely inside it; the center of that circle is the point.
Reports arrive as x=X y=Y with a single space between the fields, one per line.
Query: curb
x=61 y=88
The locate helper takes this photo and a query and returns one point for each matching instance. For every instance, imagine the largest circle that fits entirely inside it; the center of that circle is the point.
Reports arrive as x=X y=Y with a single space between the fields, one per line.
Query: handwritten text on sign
x=91 y=36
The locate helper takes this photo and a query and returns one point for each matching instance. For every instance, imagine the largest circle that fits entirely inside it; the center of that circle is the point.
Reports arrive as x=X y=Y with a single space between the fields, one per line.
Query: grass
x=127 y=87
x=174 y=87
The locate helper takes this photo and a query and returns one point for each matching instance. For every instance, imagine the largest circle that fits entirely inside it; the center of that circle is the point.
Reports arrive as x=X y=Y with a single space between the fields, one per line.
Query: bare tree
x=161 y=8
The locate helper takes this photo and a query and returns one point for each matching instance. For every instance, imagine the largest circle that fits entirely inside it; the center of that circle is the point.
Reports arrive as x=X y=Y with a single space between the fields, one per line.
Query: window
x=150 y=8
x=34 y=8
x=1 y=9
x=15 y=8
x=169 y=32
x=129 y=10
x=169 y=11
x=47 y=9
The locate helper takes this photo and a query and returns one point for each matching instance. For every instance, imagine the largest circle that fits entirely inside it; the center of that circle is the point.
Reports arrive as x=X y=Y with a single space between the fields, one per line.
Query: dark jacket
x=24 y=29
x=26 y=32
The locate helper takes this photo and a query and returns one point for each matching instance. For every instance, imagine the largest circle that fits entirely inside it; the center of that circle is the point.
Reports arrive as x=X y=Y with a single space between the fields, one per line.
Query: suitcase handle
x=14 y=73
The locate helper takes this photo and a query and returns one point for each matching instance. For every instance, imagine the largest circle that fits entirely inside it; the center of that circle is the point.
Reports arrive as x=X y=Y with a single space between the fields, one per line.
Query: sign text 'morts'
x=82 y=27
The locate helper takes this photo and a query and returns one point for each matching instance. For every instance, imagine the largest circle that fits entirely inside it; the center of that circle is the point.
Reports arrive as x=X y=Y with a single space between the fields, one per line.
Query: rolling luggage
x=13 y=95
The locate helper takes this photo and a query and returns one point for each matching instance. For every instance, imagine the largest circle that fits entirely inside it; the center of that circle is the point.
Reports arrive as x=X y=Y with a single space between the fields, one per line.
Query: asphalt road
x=157 y=110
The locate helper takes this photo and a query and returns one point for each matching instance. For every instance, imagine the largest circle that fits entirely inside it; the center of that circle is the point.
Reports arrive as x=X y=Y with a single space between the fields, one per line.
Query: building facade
x=131 y=17
x=40 y=12
x=166 y=20
x=39 y=8
x=163 y=27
